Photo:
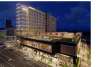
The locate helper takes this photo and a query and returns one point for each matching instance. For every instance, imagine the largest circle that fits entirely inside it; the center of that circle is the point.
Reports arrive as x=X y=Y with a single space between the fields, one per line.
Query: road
x=12 y=58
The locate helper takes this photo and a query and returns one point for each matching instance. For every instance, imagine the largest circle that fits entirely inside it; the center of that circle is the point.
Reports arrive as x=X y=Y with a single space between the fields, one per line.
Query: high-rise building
x=51 y=23
x=10 y=30
x=8 y=24
x=30 y=21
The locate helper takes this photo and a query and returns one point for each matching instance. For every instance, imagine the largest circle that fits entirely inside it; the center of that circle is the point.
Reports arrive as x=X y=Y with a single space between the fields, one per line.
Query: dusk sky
x=70 y=16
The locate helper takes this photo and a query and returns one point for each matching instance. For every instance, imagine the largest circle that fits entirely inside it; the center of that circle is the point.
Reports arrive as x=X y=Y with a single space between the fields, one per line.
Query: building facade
x=10 y=30
x=72 y=52
x=51 y=23
x=68 y=51
x=30 y=21
x=83 y=54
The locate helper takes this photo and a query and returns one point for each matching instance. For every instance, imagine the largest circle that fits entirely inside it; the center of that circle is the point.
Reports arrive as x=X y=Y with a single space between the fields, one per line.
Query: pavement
x=12 y=58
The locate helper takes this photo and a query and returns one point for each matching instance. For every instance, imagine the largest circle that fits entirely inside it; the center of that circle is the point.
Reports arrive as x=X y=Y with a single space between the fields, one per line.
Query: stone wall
x=57 y=60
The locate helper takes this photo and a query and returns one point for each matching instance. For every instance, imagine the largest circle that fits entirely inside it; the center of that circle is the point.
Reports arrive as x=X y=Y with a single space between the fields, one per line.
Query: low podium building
x=65 y=51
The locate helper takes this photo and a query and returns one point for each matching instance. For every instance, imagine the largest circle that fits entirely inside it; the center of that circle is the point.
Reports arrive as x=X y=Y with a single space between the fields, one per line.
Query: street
x=12 y=58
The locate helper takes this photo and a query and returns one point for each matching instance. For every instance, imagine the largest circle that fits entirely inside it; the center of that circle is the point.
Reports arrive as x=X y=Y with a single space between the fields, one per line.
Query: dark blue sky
x=70 y=16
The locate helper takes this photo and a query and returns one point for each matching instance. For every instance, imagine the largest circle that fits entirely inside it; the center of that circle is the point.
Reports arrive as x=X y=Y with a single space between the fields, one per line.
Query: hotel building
x=51 y=23
x=56 y=49
x=30 y=21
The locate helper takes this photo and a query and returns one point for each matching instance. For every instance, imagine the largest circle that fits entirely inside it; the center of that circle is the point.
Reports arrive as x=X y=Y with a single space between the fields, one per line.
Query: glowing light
x=24 y=9
x=32 y=8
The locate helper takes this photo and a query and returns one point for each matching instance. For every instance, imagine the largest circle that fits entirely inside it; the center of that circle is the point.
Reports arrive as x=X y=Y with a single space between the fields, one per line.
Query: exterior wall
x=51 y=24
x=83 y=53
x=68 y=50
x=38 y=45
x=30 y=21
x=58 y=60
x=22 y=23
x=59 y=34
x=10 y=31
x=36 y=21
